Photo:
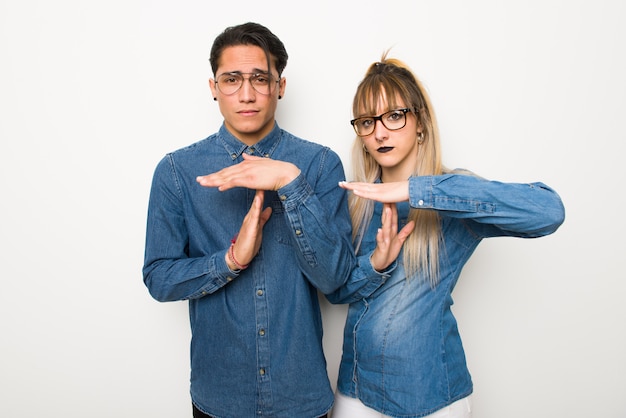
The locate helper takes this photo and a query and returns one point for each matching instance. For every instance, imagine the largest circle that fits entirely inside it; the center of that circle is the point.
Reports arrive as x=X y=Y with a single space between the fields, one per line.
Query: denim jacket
x=402 y=353
x=256 y=346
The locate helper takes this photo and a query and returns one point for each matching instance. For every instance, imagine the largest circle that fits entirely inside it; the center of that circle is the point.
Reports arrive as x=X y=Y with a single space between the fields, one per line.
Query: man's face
x=248 y=112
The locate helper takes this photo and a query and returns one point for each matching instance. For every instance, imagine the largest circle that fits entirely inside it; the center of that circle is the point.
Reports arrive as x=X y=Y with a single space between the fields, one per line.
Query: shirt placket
x=262 y=338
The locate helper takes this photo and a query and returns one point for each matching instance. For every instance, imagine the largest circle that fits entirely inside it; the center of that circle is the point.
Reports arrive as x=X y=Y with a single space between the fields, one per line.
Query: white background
x=93 y=94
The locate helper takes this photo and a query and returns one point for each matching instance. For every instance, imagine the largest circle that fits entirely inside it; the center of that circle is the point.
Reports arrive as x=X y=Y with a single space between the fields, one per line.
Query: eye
x=395 y=116
x=230 y=79
x=260 y=79
x=365 y=122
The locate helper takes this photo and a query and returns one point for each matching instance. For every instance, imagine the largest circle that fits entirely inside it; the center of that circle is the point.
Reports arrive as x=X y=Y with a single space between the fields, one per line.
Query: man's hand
x=253 y=173
x=251 y=232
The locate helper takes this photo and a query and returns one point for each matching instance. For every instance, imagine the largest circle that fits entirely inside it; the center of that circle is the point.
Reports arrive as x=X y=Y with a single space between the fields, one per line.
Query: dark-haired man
x=247 y=225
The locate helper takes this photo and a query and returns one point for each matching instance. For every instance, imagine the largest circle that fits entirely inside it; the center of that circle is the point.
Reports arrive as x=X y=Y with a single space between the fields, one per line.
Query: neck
x=397 y=173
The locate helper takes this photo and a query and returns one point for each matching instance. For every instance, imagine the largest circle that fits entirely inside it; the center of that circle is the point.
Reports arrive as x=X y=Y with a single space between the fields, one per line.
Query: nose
x=380 y=132
x=247 y=92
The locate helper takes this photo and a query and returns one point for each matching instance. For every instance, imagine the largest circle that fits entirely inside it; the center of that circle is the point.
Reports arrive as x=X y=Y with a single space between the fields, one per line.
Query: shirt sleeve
x=363 y=282
x=316 y=209
x=491 y=208
x=168 y=271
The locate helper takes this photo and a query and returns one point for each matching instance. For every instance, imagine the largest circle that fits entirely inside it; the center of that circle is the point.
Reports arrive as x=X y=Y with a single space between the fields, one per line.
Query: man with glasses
x=247 y=225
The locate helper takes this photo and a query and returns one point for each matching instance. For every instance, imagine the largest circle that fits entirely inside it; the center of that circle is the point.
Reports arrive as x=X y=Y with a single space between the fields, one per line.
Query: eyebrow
x=254 y=71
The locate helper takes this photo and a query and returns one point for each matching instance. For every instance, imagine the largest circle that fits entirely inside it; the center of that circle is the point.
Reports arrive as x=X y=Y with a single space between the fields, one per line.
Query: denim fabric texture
x=256 y=346
x=402 y=352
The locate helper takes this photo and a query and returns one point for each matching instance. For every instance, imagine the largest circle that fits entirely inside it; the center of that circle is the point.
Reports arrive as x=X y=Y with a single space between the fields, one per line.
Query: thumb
x=406 y=231
x=265 y=216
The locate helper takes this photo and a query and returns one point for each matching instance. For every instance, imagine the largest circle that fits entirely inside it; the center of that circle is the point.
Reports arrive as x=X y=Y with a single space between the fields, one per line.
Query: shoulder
x=189 y=155
x=301 y=142
x=194 y=147
x=308 y=148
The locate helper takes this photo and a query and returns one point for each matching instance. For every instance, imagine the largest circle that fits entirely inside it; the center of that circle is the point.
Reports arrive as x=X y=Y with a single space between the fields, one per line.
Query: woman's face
x=395 y=150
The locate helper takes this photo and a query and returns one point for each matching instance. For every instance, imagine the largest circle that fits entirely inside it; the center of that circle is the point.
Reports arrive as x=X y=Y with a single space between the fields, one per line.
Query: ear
x=281 y=87
x=213 y=88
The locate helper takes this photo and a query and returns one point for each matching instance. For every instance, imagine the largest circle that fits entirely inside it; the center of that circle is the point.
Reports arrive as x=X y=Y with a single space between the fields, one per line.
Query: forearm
x=170 y=270
x=171 y=279
x=321 y=230
x=518 y=209
x=363 y=282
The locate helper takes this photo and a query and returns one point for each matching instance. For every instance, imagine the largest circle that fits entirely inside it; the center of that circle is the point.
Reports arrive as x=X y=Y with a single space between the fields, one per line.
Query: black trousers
x=199 y=414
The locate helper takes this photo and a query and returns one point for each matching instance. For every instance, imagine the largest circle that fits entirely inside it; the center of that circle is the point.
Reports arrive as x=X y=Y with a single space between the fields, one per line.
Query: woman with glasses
x=415 y=225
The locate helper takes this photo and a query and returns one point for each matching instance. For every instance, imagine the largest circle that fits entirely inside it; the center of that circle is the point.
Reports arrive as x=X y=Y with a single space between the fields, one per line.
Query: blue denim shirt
x=256 y=346
x=402 y=353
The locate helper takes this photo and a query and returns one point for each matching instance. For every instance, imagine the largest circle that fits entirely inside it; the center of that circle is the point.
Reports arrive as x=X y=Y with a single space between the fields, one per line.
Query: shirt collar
x=264 y=148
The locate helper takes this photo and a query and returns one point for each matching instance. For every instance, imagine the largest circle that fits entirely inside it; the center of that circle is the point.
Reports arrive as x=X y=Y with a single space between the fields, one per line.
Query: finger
x=229 y=182
x=384 y=217
x=259 y=198
x=387 y=224
x=352 y=185
x=257 y=206
x=367 y=192
x=250 y=224
x=248 y=238
x=406 y=231
x=393 y=210
x=225 y=178
x=381 y=258
x=220 y=179
x=265 y=216
x=210 y=180
x=250 y=157
x=380 y=239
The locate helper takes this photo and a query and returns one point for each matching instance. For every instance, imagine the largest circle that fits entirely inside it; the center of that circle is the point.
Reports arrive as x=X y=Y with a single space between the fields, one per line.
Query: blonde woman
x=415 y=225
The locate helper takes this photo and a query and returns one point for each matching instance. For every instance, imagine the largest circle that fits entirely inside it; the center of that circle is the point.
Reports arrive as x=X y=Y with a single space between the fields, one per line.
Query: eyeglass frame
x=269 y=75
x=404 y=111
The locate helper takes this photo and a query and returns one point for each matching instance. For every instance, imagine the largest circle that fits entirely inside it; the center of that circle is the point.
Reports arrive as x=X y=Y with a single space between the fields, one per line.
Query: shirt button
x=421 y=202
x=229 y=279
x=262 y=372
x=259 y=292
x=261 y=332
x=283 y=197
x=298 y=232
x=252 y=150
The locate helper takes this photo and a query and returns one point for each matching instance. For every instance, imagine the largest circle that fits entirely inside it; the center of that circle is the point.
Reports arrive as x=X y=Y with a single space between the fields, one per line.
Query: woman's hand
x=388 y=240
x=393 y=192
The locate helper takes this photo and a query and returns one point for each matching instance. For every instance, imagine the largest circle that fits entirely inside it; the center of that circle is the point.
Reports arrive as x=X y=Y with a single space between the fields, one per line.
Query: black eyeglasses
x=230 y=83
x=392 y=120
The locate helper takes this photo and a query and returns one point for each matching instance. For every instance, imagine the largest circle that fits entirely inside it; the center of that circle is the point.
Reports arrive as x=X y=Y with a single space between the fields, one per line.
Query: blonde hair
x=392 y=79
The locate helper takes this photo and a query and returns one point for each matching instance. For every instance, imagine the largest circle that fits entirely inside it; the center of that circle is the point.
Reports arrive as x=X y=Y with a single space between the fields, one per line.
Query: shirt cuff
x=421 y=192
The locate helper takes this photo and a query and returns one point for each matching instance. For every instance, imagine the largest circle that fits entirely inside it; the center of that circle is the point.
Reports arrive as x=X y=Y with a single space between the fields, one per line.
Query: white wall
x=93 y=94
